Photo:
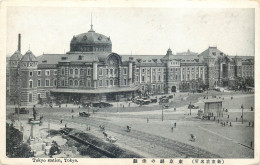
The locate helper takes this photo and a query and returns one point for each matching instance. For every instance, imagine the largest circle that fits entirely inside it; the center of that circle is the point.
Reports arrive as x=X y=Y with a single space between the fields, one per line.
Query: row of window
x=46 y=83
x=39 y=73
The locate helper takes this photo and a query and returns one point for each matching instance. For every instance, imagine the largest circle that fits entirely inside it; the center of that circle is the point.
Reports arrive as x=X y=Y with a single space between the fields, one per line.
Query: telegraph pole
x=162 y=112
x=242 y=107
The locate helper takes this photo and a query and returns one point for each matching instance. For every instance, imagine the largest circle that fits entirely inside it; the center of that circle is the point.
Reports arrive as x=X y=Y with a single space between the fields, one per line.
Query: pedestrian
x=175 y=124
x=214 y=118
x=72 y=116
x=230 y=124
x=66 y=125
x=147 y=120
x=59 y=105
x=228 y=116
x=61 y=121
x=174 y=109
x=252 y=108
x=66 y=105
x=236 y=119
x=72 y=111
x=79 y=106
x=224 y=124
x=249 y=124
x=172 y=129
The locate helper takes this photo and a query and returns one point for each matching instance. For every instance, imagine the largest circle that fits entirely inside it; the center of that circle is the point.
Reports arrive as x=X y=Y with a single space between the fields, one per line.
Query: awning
x=95 y=91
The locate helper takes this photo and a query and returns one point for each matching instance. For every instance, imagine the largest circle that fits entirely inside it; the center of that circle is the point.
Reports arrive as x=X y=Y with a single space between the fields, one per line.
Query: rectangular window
x=107 y=71
x=137 y=70
x=55 y=82
x=111 y=71
x=47 y=73
x=30 y=97
x=89 y=72
x=39 y=83
x=62 y=71
x=55 y=72
x=124 y=70
x=176 y=77
x=31 y=84
x=31 y=73
x=143 y=70
x=100 y=83
x=39 y=72
x=124 y=81
x=115 y=71
x=137 y=78
x=89 y=83
x=142 y=78
x=47 y=83
x=107 y=83
x=100 y=71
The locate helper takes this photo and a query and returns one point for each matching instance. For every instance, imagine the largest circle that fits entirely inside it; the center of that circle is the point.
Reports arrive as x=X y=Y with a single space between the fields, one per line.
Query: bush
x=15 y=148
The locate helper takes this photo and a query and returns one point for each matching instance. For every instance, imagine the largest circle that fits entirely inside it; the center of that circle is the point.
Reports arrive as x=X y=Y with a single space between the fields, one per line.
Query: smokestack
x=19 y=42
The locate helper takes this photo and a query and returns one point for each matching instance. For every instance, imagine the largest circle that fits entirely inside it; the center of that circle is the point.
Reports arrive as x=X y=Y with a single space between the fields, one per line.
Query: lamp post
x=190 y=107
x=242 y=107
x=162 y=112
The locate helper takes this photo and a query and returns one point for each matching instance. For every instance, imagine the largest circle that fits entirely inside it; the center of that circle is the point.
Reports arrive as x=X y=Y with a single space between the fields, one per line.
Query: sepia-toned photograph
x=158 y=84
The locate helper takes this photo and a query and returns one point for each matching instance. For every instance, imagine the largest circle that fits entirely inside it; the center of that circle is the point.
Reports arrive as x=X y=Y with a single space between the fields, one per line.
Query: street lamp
x=242 y=107
x=162 y=111
x=190 y=107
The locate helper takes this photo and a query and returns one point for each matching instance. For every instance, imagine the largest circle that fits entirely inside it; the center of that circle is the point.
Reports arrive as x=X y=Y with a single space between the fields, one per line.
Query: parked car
x=84 y=114
x=22 y=111
x=154 y=100
x=145 y=102
x=193 y=106
x=170 y=96
x=164 y=100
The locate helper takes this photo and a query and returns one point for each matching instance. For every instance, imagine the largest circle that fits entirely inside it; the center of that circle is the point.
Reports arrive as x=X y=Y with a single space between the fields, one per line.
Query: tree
x=15 y=148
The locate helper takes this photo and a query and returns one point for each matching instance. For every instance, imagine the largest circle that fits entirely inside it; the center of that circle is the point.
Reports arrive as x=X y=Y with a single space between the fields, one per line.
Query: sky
x=140 y=31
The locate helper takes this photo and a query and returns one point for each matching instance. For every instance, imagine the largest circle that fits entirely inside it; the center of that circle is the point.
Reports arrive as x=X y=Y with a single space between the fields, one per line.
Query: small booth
x=212 y=108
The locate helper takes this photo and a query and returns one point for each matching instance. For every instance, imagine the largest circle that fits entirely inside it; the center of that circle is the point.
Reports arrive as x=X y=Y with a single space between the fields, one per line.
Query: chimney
x=19 y=42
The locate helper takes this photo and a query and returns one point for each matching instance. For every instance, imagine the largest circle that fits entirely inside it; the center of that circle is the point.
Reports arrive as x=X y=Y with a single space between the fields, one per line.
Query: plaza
x=150 y=135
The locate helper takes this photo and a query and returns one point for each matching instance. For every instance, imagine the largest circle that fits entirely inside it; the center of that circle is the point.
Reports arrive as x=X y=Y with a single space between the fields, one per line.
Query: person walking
x=61 y=121
x=236 y=119
x=147 y=120
x=172 y=129
x=175 y=124
x=230 y=124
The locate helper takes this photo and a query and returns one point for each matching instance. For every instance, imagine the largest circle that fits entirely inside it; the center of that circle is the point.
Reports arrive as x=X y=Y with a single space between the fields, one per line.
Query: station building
x=91 y=71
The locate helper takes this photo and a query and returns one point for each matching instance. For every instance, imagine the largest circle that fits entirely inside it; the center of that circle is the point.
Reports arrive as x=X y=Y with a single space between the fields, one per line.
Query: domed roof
x=29 y=56
x=91 y=37
x=16 y=56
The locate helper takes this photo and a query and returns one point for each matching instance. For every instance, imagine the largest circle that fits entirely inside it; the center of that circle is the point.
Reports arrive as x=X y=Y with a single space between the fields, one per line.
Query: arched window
x=76 y=71
x=76 y=83
x=71 y=82
x=62 y=82
x=71 y=71
x=55 y=82
x=111 y=82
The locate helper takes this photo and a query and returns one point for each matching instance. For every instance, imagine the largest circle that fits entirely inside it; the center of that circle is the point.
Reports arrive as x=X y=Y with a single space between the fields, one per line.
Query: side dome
x=17 y=56
x=90 y=42
x=29 y=56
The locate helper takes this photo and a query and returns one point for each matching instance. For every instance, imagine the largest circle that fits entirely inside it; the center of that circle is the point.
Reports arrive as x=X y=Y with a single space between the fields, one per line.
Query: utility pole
x=162 y=112
x=242 y=107
x=190 y=107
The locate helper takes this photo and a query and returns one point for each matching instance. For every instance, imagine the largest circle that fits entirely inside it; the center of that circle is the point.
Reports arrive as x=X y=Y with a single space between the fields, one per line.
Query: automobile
x=84 y=114
x=139 y=101
x=193 y=106
x=165 y=106
x=164 y=100
x=145 y=102
x=154 y=100
x=104 y=105
x=22 y=111
x=170 y=96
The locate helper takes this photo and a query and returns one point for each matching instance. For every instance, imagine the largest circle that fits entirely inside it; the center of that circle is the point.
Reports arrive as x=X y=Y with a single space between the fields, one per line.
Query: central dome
x=90 y=42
